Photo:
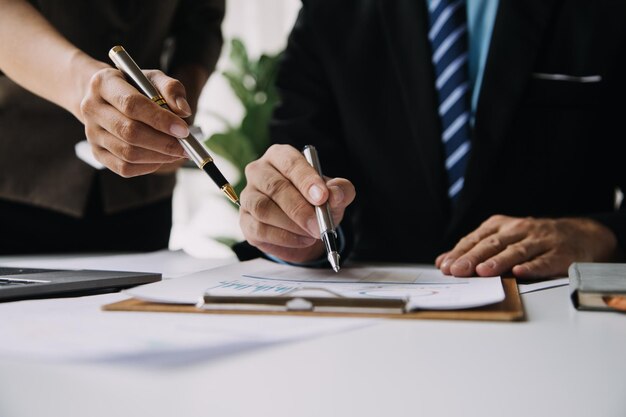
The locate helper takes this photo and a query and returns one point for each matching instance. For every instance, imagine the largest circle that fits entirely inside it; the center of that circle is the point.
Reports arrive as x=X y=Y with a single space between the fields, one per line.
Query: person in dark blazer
x=360 y=81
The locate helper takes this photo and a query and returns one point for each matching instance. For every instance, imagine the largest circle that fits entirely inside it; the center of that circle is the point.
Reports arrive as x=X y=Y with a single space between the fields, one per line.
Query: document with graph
x=417 y=288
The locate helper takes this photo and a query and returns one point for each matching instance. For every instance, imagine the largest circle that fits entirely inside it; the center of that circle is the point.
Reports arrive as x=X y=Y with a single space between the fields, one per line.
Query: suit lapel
x=517 y=34
x=405 y=26
x=516 y=39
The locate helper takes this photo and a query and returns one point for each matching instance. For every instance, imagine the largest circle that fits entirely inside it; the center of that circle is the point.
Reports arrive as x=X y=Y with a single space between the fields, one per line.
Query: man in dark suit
x=363 y=81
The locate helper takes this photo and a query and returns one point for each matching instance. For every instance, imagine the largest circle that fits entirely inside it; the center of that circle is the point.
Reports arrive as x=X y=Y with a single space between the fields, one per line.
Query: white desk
x=559 y=363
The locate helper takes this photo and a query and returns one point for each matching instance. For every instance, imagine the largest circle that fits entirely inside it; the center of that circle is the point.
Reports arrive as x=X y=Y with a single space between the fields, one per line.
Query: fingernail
x=179 y=131
x=183 y=105
x=306 y=241
x=313 y=227
x=446 y=263
x=315 y=193
x=462 y=264
x=489 y=264
x=521 y=269
x=337 y=195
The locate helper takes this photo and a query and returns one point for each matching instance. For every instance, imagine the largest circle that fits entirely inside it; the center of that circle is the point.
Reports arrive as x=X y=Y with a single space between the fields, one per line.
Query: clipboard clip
x=290 y=301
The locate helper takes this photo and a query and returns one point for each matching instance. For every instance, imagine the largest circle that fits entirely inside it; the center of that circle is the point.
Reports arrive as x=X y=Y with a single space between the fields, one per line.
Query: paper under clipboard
x=262 y=287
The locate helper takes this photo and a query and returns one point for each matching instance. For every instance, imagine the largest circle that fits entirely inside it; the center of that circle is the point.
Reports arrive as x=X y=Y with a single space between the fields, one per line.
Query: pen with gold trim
x=194 y=148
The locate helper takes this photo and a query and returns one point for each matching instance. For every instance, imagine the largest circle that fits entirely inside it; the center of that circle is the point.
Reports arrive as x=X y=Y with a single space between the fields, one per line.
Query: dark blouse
x=38 y=164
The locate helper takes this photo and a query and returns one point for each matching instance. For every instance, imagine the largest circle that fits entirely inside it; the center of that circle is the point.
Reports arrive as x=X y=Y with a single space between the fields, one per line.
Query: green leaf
x=239 y=55
x=253 y=82
x=234 y=146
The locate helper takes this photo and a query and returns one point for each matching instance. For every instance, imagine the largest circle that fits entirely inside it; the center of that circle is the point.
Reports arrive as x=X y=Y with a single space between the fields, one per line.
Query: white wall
x=201 y=212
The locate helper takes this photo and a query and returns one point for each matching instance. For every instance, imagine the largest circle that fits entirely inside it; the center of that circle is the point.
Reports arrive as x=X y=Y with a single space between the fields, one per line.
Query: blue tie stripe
x=451 y=71
x=441 y=16
x=449 y=40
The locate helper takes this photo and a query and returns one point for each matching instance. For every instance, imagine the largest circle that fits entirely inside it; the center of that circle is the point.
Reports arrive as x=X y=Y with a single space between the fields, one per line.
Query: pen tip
x=231 y=194
x=333 y=258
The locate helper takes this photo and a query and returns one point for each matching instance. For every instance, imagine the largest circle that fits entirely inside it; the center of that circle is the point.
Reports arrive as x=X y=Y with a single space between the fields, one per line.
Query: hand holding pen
x=192 y=146
x=127 y=132
x=278 y=213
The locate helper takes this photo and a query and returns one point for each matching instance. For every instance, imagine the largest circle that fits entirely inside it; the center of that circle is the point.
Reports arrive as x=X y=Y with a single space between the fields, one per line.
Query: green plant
x=252 y=81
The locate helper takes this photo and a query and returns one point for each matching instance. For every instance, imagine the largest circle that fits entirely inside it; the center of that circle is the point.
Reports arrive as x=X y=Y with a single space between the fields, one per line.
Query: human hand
x=529 y=247
x=170 y=168
x=129 y=133
x=277 y=214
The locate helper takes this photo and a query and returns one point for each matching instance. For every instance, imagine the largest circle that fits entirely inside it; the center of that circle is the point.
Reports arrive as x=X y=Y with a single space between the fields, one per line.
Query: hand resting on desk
x=529 y=247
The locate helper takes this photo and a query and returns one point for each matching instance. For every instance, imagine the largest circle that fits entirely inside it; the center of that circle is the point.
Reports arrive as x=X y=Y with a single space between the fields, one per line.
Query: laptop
x=24 y=283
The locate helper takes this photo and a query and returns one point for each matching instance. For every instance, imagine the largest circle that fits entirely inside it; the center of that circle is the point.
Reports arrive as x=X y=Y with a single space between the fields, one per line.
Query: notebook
x=23 y=283
x=592 y=283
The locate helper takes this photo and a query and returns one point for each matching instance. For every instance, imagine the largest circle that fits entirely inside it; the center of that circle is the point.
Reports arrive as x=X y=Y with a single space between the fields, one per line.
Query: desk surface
x=560 y=362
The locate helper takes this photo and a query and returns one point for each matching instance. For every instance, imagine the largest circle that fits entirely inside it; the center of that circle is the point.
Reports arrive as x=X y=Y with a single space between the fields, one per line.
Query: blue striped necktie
x=449 y=40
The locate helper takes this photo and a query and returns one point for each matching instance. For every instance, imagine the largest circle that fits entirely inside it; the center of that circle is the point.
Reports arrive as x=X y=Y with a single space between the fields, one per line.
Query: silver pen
x=328 y=232
x=194 y=148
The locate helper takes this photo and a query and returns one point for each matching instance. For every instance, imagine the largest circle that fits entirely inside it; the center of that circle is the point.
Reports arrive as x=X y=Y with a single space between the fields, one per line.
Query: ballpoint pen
x=194 y=148
x=328 y=233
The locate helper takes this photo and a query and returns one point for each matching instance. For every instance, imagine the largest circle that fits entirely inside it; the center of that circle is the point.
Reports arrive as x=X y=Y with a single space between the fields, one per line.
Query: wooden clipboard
x=510 y=309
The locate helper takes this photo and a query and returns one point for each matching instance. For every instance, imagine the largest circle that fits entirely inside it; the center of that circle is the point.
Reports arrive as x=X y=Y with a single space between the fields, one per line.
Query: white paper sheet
x=424 y=288
x=542 y=285
x=77 y=330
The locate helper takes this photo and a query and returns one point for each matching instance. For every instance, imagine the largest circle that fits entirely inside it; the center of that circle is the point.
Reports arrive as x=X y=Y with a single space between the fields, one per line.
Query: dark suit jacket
x=357 y=81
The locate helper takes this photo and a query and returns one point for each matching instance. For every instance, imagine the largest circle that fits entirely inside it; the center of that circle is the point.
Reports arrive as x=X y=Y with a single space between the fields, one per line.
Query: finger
x=265 y=210
x=261 y=234
x=270 y=182
x=125 y=151
x=293 y=166
x=119 y=167
x=98 y=113
x=481 y=253
x=171 y=167
x=172 y=90
x=440 y=259
x=465 y=245
x=315 y=251
x=545 y=266
x=515 y=254
x=134 y=105
x=342 y=194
